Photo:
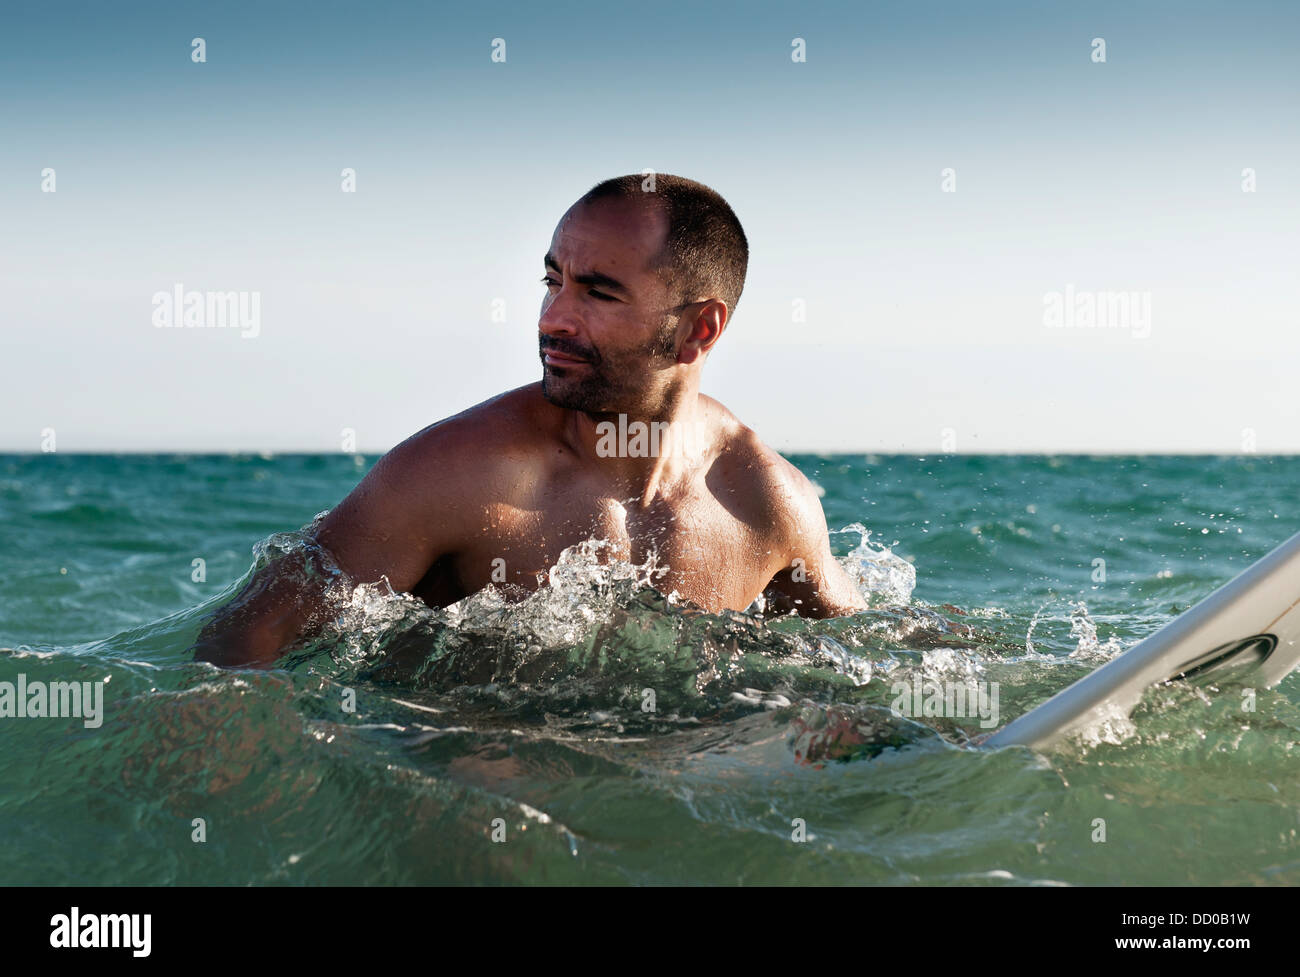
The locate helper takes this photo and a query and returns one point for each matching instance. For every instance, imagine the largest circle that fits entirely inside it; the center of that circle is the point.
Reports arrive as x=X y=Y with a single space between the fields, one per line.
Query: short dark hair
x=705 y=253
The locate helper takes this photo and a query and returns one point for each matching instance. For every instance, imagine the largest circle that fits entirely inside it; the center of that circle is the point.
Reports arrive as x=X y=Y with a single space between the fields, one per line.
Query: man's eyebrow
x=589 y=278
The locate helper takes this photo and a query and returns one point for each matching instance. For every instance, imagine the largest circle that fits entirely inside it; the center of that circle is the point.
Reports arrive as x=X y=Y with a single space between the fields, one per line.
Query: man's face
x=608 y=323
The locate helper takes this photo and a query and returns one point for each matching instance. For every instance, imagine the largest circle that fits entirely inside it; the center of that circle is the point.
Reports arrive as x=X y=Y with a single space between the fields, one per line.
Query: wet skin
x=494 y=495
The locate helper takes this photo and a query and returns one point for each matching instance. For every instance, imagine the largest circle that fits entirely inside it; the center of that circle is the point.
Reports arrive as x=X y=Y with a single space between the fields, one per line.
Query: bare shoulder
x=784 y=510
x=425 y=497
x=775 y=491
x=489 y=439
x=441 y=476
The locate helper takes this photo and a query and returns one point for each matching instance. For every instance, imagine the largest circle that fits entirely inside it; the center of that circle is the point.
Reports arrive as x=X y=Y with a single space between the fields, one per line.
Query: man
x=616 y=442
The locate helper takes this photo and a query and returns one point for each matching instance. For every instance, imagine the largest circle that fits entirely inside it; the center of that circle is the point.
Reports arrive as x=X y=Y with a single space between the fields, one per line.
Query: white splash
x=876 y=570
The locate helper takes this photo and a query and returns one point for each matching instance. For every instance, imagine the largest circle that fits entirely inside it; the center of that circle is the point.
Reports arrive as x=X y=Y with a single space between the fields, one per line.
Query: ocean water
x=514 y=743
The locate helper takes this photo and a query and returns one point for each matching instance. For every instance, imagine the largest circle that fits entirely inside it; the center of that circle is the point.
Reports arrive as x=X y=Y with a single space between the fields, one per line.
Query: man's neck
x=643 y=451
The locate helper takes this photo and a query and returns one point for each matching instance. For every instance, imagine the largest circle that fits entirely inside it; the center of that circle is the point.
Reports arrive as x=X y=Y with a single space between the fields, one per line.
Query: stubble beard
x=608 y=386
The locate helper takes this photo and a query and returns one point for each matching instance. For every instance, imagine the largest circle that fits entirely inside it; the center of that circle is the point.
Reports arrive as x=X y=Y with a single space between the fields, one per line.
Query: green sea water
x=512 y=743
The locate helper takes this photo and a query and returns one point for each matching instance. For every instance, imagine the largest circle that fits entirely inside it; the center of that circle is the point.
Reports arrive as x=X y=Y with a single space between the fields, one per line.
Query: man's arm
x=283 y=601
x=389 y=526
x=812 y=583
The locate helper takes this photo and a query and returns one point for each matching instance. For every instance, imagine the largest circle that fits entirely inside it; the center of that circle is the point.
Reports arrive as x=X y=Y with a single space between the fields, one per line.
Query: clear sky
x=926 y=312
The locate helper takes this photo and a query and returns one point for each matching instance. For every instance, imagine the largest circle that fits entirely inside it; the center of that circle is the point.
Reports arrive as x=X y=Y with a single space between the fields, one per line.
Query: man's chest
x=709 y=554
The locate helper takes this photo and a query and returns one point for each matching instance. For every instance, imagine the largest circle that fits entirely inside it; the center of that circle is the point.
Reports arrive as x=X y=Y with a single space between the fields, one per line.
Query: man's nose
x=559 y=317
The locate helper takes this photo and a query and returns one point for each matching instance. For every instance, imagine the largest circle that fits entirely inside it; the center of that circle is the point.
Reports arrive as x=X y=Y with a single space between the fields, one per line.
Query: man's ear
x=707 y=325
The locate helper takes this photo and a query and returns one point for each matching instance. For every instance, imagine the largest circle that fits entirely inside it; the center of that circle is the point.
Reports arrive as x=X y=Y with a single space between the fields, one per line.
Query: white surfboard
x=1247 y=630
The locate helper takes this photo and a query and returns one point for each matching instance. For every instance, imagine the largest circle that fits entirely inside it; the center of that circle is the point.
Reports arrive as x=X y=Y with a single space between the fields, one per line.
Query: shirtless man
x=640 y=283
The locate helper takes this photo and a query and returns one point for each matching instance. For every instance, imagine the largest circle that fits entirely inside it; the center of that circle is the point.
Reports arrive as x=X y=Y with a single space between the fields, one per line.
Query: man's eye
x=548 y=280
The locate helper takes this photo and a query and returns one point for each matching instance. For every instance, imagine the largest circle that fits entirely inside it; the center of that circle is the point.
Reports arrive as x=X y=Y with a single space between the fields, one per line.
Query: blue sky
x=924 y=324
